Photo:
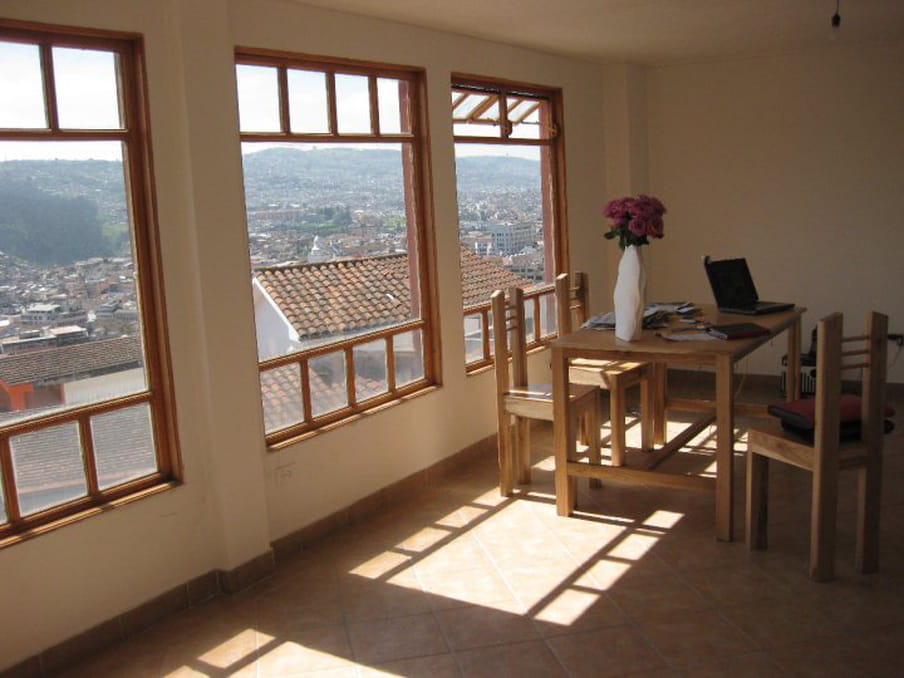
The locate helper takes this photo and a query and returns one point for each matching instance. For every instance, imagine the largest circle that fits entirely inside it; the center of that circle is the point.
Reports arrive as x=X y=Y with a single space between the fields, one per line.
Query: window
x=85 y=400
x=508 y=159
x=338 y=213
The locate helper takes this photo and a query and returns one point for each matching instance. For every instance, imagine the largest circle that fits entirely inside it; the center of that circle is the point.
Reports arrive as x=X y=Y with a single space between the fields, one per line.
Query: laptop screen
x=731 y=282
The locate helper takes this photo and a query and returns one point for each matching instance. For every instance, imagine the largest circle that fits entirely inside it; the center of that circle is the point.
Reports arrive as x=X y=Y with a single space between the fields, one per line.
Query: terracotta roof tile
x=68 y=362
x=480 y=277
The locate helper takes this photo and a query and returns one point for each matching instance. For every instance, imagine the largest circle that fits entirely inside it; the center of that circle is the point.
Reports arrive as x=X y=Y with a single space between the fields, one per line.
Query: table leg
x=724 y=448
x=563 y=435
x=659 y=386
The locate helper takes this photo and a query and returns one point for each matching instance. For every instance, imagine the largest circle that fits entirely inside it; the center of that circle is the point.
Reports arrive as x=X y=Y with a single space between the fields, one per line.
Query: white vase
x=630 y=291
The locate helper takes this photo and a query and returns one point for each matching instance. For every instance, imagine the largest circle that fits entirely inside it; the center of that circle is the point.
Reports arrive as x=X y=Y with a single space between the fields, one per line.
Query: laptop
x=734 y=290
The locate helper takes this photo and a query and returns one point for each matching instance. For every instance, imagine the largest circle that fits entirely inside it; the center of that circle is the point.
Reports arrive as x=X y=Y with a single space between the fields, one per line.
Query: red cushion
x=802 y=413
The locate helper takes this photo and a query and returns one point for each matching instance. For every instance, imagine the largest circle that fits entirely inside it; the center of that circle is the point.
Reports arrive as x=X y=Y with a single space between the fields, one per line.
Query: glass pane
x=258 y=93
x=530 y=321
x=501 y=224
x=308 y=102
x=3 y=516
x=87 y=88
x=281 y=397
x=408 y=349
x=525 y=114
x=328 y=384
x=370 y=369
x=73 y=290
x=389 y=94
x=475 y=114
x=328 y=234
x=21 y=87
x=48 y=467
x=547 y=314
x=473 y=338
x=353 y=104
x=123 y=445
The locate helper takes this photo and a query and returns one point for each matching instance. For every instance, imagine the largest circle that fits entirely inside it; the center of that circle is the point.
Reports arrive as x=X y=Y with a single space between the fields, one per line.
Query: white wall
x=795 y=163
x=230 y=508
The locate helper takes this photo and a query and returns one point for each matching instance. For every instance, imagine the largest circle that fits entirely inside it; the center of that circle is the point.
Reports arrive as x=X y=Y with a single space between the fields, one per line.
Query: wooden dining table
x=720 y=355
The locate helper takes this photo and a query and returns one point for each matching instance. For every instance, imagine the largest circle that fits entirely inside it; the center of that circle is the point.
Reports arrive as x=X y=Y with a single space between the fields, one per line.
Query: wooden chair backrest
x=572 y=301
x=833 y=358
x=509 y=338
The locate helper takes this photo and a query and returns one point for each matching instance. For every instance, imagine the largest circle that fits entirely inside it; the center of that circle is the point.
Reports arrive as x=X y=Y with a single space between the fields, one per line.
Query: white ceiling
x=646 y=31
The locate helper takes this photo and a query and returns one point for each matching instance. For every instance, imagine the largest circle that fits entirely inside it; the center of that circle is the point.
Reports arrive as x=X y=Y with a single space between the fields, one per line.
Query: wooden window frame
x=418 y=205
x=552 y=169
x=134 y=134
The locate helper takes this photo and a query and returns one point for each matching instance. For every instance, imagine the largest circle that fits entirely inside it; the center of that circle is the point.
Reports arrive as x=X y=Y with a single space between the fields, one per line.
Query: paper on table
x=687 y=336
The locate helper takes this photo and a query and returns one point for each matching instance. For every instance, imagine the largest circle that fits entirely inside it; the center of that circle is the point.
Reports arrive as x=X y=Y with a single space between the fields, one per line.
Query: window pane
x=525 y=115
x=353 y=104
x=328 y=233
x=530 y=322
x=281 y=397
x=308 y=102
x=74 y=334
x=408 y=350
x=475 y=114
x=48 y=467
x=87 y=88
x=258 y=92
x=3 y=516
x=547 y=314
x=370 y=369
x=473 y=337
x=123 y=445
x=328 y=384
x=21 y=87
x=389 y=92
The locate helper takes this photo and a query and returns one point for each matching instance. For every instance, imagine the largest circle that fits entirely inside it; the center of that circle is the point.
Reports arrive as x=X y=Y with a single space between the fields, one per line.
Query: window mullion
x=282 y=75
x=88 y=458
x=307 y=408
x=10 y=494
x=50 y=100
x=390 y=363
x=331 y=106
x=350 y=376
x=374 y=105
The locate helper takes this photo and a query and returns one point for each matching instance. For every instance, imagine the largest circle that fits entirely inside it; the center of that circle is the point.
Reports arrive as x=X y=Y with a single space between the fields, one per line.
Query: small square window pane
x=308 y=102
x=370 y=369
x=258 y=93
x=281 y=397
x=353 y=104
x=87 y=88
x=123 y=445
x=473 y=338
x=328 y=384
x=48 y=467
x=3 y=517
x=21 y=87
x=392 y=104
x=408 y=351
x=530 y=321
x=524 y=114
x=475 y=114
x=547 y=314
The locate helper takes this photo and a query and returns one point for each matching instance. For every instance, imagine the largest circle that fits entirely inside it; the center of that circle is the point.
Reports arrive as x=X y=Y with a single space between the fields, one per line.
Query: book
x=737 y=331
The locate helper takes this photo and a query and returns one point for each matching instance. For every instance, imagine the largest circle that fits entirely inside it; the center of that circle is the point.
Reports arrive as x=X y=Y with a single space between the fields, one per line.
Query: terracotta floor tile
x=519 y=660
x=482 y=586
x=302 y=653
x=684 y=638
x=475 y=626
x=435 y=666
x=652 y=596
x=611 y=652
x=393 y=639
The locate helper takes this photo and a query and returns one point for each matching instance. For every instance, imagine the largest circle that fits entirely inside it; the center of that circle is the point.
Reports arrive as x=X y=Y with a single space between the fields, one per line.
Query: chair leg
x=504 y=452
x=617 y=414
x=522 y=435
x=822 y=524
x=757 y=500
x=592 y=422
x=868 y=501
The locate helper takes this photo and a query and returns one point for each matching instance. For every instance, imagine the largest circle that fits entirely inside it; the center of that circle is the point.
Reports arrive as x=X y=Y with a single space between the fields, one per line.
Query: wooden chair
x=829 y=451
x=615 y=376
x=517 y=398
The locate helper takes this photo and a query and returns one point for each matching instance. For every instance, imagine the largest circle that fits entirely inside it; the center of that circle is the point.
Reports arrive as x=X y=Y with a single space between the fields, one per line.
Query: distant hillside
x=53 y=212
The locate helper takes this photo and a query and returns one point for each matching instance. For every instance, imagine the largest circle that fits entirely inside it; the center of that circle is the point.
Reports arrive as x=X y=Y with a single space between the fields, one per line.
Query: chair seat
x=769 y=439
x=535 y=400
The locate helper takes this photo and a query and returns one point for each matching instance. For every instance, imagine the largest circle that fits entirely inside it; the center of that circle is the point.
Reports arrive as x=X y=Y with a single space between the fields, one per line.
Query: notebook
x=734 y=290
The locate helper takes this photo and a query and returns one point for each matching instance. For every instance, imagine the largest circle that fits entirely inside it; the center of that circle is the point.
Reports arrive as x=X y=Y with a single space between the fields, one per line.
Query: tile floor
x=462 y=582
